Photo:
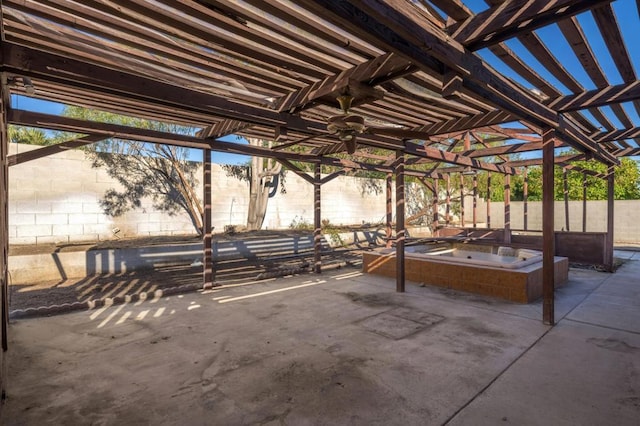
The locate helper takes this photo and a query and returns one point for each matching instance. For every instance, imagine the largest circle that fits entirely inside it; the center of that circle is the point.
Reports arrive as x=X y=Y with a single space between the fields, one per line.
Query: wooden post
x=525 y=196
x=475 y=201
x=436 y=219
x=584 y=201
x=400 y=231
x=548 y=229
x=609 y=239
x=447 y=217
x=489 y=200
x=389 y=212
x=507 y=209
x=317 y=222
x=462 y=200
x=4 y=231
x=207 y=262
x=565 y=194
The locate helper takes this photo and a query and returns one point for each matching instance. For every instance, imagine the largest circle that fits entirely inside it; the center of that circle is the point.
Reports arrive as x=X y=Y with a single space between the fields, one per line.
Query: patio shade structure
x=415 y=72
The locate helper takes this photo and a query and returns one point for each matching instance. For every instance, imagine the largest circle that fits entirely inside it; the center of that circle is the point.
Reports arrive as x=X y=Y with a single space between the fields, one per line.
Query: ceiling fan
x=346 y=125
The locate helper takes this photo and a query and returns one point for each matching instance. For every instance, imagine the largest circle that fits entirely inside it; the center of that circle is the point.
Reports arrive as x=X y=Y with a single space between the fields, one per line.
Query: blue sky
x=626 y=12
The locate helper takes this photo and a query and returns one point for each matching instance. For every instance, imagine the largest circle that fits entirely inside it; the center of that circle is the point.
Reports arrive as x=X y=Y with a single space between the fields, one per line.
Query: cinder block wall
x=626 y=228
x=56 y=200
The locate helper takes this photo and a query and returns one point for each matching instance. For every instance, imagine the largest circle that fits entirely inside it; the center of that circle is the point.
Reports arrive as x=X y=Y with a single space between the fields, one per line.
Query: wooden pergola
x=273 y=70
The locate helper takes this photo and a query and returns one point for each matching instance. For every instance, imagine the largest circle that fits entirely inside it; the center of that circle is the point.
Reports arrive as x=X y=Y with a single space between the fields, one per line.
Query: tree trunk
x=261 y=181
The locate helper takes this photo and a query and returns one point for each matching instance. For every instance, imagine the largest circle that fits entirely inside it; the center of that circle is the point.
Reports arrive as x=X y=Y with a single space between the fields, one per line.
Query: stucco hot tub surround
x=502 y=272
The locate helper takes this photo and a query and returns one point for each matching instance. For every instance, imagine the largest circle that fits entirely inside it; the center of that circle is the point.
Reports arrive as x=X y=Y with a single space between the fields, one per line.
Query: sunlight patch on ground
x=264 y=293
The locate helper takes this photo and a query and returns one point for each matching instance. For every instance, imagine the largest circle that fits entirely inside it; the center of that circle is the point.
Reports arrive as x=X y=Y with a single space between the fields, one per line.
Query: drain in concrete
x=400 y=322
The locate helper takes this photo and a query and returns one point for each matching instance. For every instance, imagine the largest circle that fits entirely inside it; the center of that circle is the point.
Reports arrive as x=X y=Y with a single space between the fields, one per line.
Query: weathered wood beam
x=508 y=149
x=224 y=128
x=467 y=123
x=332 y=176
x=295 y=142
x=514 y=17
x=54 y=149
x=619 y=93
x=298 y=171
x=54 y=122
x=454 y=9
x=617 y=135
x=392 y=25
x=80 y=74
x=627 y=152
x=567 y=166
x=451 y=85
x=568 y=128
x=538 y=161
x=455 y=158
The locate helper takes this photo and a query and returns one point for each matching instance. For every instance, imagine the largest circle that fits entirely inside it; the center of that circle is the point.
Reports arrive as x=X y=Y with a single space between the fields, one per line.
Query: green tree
x=28 y=135
x=161 y=172
x=626 y=182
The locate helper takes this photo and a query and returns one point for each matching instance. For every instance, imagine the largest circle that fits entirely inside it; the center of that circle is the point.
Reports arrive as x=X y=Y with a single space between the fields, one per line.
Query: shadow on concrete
x=118 y=261
x=164 y=270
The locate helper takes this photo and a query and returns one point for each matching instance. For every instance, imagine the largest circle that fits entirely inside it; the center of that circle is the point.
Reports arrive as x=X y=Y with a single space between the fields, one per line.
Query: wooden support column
x=489 y=200
x=507 y=209
x=435 y=207
x=462 y=200
x=207 y=259
x=565 y=195
x=447 y=214
x=548 y=231
x=4 y=231
x=400 y=231
x=389 y=213
x=584 y=201
x=475 y=201
x=525 y=197
x=317 y=220
x=609 y=239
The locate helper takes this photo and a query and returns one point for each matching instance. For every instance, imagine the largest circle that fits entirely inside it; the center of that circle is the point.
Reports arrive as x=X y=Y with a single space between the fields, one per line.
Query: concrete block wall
x=626 y=226
x=55 y=199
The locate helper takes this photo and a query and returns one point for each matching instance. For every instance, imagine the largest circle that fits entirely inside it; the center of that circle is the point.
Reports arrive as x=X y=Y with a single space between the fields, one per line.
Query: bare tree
x=162 y=173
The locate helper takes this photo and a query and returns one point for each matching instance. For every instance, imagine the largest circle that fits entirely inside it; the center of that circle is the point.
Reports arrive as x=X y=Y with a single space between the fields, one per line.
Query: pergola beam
x=391 y=25
x=54 y=149
x=625 y=92
x=38 y=64
x=514 y=17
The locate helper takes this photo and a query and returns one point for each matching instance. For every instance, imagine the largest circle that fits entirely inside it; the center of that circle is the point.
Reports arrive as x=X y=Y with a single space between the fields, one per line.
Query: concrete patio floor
x=338 y=348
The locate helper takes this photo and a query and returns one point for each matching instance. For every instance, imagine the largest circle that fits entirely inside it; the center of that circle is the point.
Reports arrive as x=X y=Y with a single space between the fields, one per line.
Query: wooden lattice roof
x=273 y=69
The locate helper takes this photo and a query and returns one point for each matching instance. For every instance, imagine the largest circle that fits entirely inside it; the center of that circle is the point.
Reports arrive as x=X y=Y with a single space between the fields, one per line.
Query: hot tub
x=506 y=257
x=502 y=272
